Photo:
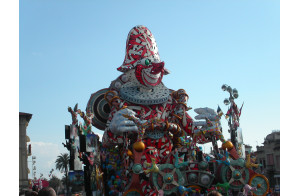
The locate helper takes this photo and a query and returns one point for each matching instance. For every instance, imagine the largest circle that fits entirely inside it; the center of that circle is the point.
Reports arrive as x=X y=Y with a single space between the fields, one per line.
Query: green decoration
x=137 y=168
x=168 y=179
x=236 y=174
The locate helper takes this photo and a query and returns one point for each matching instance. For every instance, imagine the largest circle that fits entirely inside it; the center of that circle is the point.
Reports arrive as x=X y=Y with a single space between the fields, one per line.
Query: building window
x=278 y=162
x=270 y=159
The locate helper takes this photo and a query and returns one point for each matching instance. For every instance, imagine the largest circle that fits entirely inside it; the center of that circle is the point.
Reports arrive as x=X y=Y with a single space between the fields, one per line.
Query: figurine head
x=142 y=56
x=113 y=99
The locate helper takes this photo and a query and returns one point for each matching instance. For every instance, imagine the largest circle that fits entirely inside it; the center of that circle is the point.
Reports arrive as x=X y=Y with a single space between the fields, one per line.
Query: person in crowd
x=214 y=193
x=28 y=193
x=47 y=191
x=34 y=193
x=34 y=188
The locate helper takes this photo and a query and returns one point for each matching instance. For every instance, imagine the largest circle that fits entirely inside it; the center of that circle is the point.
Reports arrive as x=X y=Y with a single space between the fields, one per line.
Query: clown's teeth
x=150 y=79
x=152 y=76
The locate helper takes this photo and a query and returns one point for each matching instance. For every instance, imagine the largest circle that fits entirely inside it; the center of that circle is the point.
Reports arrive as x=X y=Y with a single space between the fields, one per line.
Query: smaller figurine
x=224 y=159
x=184 y=191
x=224 y=186
x=179 y=161
x=114 y=100
x=250 y=162
x=153 y=167
x=87 y=126
x=74 y=114
x=67 y=145
x=247 y=188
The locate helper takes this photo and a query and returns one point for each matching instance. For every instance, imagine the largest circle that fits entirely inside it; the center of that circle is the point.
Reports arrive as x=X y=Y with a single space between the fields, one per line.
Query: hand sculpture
x=120 y=124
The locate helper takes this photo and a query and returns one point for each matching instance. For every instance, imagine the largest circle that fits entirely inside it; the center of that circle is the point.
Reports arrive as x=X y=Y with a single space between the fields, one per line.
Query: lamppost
x=233 y=112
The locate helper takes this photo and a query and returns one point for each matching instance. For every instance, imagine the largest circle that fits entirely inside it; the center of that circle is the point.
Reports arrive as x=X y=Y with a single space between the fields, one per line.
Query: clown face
x=149 y=74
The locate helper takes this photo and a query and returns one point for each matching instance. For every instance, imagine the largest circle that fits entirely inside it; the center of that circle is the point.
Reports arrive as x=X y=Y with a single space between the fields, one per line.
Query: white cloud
x=46 y=154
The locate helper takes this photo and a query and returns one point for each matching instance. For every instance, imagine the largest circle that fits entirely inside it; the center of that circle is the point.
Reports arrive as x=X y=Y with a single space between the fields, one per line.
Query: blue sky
x=71 y=49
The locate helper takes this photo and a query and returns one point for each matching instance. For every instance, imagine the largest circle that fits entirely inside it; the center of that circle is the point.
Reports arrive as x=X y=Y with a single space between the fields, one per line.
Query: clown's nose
x=157 y=68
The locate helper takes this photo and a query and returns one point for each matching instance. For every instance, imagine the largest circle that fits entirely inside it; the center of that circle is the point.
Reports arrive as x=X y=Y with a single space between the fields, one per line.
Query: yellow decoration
x=227 y=145
x=129 y=153
x=249 y=163
x=153 y=167
x=139 y=146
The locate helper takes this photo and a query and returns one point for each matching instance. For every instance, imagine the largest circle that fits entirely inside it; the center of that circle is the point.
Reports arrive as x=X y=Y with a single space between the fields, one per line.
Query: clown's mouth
x=151 y=79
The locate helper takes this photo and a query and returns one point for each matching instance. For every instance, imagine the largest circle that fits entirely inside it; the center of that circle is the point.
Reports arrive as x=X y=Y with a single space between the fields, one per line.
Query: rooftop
x=26 y=115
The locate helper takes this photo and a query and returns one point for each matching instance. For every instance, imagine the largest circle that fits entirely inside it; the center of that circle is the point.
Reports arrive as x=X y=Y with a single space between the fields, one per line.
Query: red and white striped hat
x=140 y=47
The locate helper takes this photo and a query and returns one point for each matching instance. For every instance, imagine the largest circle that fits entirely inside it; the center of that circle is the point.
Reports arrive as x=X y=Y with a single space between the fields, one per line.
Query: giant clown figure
x=144 y=119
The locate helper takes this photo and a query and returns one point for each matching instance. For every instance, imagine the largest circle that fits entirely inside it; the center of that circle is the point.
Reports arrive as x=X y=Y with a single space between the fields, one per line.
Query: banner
x=76 y=178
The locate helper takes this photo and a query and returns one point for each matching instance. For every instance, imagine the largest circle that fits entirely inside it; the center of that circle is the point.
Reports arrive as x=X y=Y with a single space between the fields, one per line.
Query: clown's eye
x=145 y=62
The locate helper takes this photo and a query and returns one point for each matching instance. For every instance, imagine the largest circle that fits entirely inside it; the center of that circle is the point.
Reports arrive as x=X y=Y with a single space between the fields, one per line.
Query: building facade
x=24 y=119
x=268 y=156
x=248 y=149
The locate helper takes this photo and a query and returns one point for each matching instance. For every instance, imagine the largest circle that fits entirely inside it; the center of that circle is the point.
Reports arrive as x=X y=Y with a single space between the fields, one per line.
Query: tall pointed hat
x=140 y=47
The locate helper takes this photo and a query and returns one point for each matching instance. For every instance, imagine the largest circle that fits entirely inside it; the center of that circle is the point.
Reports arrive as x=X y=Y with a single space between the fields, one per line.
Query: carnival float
x=150 y=145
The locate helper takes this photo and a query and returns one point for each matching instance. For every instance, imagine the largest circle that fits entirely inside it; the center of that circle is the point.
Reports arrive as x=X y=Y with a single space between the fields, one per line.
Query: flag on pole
x=51 y=172
x=228 y=113
x=241 y=109
x=219 y=111
x=235 y=109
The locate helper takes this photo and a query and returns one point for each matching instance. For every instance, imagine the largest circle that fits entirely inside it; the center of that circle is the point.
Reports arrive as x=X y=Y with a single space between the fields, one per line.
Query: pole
x=87 y=180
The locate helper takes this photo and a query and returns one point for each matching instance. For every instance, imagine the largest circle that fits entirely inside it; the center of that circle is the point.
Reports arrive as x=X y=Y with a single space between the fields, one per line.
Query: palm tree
x=54 y=182
x=62 y=164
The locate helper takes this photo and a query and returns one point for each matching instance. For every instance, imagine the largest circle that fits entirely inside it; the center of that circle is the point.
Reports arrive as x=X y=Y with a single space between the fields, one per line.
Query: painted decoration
x=91 y=143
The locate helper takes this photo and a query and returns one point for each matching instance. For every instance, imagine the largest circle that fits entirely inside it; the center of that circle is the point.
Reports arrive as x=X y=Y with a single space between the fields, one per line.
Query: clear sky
x=71 y=49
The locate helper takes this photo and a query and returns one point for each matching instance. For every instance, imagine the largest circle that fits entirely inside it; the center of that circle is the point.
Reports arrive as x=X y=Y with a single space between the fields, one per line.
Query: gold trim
x=176 y=116
x=105 y=95
x=167 y=125
x=266 y=179
x=182 y=103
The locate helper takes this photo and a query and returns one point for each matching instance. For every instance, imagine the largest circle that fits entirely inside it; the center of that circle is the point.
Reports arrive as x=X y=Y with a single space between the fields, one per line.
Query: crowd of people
x=46 y=191
x=49 y=191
